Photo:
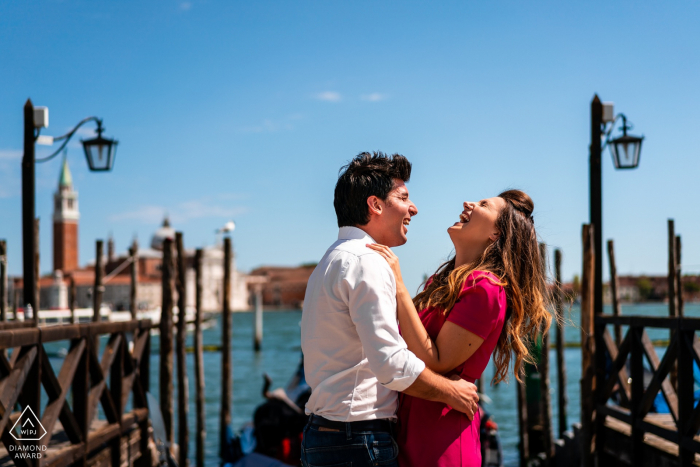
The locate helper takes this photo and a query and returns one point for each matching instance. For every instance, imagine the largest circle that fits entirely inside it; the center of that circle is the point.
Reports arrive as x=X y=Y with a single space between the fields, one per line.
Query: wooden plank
x=98 y=373
x=62 y=457
x=103 y=435
x=661 y=371
x=166 y=340
x=57 y=390
x=59 y=333
x=182 y=386
x=19 y=337
x=615 y=412
x=668 y=390
x=12 y=385
x=6 y=325
x=618 y=371
x=12 y=443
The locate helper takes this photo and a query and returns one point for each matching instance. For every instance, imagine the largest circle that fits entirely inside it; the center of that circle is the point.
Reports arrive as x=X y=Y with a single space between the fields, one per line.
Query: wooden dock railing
x=629 y=415
x=92 y=380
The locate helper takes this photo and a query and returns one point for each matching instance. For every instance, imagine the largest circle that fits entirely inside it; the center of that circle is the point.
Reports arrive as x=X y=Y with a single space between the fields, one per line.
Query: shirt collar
x=354 y=233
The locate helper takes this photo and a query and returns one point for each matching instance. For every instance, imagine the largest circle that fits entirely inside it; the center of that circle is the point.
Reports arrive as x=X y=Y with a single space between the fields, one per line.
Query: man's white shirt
x=354 y=357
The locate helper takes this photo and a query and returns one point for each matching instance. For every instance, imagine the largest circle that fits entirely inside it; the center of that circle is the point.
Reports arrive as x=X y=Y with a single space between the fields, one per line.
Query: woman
x=489 y=298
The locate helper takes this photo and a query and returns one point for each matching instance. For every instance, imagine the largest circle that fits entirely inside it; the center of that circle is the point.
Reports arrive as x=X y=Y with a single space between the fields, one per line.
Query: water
x=281 y=352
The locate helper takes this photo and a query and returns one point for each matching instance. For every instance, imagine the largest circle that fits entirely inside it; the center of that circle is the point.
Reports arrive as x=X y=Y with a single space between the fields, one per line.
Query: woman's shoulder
x=482 y=279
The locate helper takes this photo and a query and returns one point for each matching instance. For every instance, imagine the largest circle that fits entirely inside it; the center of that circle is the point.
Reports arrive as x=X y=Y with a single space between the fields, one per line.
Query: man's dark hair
x=368 y=174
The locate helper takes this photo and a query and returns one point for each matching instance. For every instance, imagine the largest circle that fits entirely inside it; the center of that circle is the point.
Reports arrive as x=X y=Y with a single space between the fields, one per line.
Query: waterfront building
x=54 y=287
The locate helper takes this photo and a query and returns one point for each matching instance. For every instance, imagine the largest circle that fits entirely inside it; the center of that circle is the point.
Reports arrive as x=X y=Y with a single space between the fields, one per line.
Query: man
x=354 y=357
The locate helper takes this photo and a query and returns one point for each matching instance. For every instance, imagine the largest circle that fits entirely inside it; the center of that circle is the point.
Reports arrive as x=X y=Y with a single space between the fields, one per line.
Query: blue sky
x=246 y=111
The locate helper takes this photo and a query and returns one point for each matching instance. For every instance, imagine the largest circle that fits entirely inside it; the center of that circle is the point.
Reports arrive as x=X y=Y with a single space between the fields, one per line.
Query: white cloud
x=9 y=154
x=329 y=96
x=181 y=213
x=373 y=97
x=185 y=6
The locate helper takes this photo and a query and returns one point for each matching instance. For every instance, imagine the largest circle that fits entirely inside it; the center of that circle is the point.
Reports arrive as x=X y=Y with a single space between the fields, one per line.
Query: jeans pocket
x=385 y=451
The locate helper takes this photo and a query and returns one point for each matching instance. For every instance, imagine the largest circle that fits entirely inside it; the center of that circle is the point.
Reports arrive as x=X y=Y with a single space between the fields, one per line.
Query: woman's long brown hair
x=515 y=259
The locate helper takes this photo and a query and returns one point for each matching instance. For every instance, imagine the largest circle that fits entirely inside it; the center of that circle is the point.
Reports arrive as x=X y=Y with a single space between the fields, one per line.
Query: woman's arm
x=453 y=345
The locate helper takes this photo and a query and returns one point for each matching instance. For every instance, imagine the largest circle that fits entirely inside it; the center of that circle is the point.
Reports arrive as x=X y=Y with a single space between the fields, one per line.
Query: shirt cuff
x=412 y=369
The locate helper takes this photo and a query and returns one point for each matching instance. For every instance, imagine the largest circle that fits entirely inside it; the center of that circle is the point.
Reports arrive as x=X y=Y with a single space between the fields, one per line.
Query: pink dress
x=432 y=434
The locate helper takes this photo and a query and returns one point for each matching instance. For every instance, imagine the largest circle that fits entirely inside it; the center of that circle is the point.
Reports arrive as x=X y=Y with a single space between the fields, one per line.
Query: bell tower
x=65 y=223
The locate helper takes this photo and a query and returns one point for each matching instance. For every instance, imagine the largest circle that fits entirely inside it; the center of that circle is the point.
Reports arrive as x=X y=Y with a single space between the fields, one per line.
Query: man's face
x=397 y=211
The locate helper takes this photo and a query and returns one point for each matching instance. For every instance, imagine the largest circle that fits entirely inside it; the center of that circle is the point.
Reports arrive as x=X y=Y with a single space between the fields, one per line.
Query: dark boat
x=274 y=437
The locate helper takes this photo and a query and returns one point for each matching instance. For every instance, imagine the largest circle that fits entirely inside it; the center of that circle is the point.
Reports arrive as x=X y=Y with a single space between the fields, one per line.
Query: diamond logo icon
x=28 y=426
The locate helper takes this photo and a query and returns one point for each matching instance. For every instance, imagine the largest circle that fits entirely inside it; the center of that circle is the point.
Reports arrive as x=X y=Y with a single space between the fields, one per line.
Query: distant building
x=285 y=286
x=652 y=288
x=53 y=288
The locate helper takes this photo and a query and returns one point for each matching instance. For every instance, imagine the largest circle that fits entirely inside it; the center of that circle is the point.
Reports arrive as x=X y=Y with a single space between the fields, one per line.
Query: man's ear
x=375 y=205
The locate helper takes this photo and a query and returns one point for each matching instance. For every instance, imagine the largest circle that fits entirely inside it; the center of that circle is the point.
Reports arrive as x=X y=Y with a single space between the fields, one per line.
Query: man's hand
x=466 y=399
x=455 y=392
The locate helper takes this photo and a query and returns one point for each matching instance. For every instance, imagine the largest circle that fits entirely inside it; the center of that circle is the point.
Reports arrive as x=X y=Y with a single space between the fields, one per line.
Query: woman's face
x=476 y=227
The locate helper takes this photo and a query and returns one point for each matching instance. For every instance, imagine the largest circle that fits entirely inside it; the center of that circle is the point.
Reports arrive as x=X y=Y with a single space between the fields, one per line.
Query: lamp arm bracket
x=612 y=127
x=68 y=136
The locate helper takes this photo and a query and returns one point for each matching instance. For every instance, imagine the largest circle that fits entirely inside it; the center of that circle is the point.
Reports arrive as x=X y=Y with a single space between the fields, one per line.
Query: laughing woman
x=490 y=298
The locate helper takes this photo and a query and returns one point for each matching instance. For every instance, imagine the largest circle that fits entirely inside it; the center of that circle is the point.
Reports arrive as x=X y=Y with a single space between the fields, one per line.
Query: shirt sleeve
x=478 y=307
x=372 y=304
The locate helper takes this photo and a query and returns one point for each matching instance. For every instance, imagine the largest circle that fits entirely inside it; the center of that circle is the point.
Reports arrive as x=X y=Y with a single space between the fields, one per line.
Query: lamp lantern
x=626 y=149
x=100 y=152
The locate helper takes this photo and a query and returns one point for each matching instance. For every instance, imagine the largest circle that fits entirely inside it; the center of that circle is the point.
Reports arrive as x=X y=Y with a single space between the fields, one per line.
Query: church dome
x=161 y=234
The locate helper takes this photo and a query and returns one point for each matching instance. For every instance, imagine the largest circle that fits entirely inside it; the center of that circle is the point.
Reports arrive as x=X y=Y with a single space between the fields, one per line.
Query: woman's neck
x=466 y=256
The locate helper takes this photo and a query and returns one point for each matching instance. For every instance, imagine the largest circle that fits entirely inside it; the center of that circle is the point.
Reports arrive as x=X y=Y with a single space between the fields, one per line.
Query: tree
x=576 y=285
x=645 y=288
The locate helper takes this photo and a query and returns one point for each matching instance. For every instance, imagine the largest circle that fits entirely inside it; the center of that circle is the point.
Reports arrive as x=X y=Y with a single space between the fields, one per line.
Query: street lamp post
x=625 y=151
x=99 y=152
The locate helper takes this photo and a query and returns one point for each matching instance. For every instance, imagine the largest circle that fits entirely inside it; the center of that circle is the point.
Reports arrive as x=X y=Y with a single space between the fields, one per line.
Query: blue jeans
x=322 y=448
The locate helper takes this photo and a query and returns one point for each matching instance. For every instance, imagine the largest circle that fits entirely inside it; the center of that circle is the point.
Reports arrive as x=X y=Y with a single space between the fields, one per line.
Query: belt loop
x=348 y=430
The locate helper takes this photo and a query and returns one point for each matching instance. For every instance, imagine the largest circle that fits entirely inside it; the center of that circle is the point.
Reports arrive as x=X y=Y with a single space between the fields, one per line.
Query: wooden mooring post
x=182 y=386
x=3 y=280
x=226 y=363
x=562 y=400
x=37 y=291
x=543 y=368
x=71 y=300
x=166 y=340
x=673 y=292
x=679 y=277
x=96 y=290
x=587 y=345
x=199 y=361
x=615 y=291
x=133 y=270
x=257 y=340
x=97 y=286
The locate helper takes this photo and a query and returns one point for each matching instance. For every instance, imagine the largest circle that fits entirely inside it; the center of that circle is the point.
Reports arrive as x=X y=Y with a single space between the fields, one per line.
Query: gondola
x=273 y=438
